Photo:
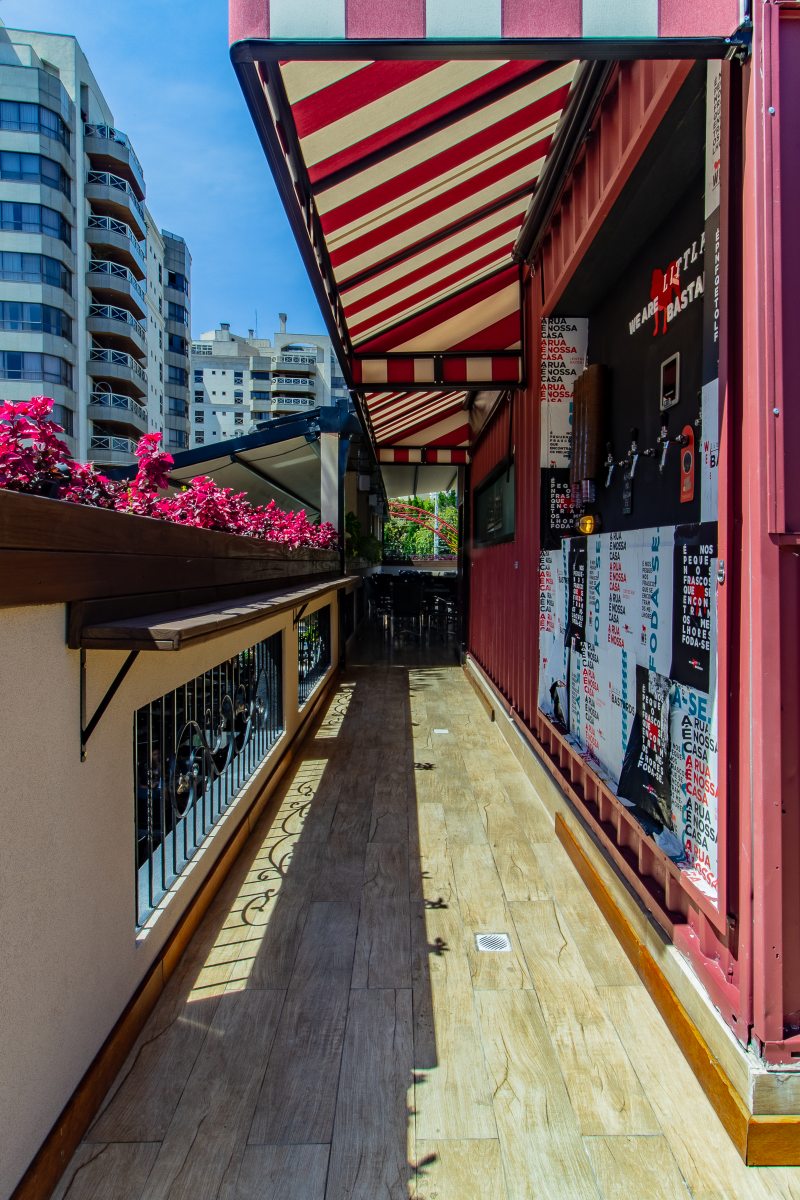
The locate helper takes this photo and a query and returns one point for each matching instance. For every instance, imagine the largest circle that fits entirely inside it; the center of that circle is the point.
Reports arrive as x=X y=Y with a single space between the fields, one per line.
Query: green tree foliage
x=405 y=539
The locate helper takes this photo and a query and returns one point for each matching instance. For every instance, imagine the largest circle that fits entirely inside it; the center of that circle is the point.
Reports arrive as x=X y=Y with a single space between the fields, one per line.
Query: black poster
x=576 y=614
x=695 y=548
x=558 y=519
x=644 y=779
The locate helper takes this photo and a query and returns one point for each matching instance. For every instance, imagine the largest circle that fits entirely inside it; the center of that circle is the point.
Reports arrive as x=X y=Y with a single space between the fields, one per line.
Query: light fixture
x=588 y=523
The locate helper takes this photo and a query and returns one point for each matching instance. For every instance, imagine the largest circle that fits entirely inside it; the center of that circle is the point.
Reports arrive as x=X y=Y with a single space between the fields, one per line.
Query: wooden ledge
x=178 y=628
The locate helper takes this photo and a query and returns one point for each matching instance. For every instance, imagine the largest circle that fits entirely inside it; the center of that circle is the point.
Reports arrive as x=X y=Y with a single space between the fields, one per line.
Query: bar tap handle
x=633 y=452
x=663 y=441
x=610 y=464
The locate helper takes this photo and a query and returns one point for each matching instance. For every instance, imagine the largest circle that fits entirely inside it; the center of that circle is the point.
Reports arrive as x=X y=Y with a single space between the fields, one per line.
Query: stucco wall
x=70 y=954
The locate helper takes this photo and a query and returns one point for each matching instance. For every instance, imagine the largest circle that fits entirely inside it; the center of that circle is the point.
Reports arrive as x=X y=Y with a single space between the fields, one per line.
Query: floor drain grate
x=493 y=942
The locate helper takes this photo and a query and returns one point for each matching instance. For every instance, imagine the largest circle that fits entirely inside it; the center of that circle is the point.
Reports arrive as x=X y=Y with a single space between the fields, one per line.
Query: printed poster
x=564 y=345
x=623 y=616
x=694 y=598
x=553 y=654
x=694 y=782
x=644 y=779
x=576 y=610
x=655 y=629
x=558 y=514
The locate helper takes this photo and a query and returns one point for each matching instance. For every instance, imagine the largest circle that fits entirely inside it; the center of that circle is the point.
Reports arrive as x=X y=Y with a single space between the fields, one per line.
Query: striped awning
x=412 y=180
x=407 y=178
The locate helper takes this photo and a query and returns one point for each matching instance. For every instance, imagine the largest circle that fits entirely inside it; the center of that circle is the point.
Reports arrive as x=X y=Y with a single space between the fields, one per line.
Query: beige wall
x=69 y=953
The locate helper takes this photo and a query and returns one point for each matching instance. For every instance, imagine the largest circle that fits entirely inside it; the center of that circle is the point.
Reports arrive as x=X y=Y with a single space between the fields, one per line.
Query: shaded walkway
x=333 y=1033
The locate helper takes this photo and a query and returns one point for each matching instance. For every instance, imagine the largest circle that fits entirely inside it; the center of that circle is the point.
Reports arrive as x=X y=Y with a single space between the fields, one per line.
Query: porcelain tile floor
x=333 y=1033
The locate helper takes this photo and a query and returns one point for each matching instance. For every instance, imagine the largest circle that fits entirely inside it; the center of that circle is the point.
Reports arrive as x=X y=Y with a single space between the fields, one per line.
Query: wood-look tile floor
x=333 y=1033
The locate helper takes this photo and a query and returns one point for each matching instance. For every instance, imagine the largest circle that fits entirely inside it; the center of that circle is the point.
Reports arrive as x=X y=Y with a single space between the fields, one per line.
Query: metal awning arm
x=87 y=729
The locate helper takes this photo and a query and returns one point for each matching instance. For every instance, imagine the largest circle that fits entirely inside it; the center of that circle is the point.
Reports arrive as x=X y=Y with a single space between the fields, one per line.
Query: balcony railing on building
x=104 y=266
x=112 y=312
x=108 y=134
x=110 y=180
x=119 y=405
x=112 y=225
x=117 y=358
x=112 y=444
x=281 y=402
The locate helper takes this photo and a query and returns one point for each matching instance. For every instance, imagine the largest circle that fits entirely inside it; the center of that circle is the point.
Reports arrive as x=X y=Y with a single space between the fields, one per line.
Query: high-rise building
x=87 y=282
x=239 y=382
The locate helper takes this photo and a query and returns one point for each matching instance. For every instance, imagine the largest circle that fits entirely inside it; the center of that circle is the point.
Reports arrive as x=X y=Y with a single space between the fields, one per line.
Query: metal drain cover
x=493 y=943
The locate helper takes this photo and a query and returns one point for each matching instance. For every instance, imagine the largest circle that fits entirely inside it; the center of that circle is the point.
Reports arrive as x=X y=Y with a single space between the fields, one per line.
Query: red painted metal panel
x=504 y=580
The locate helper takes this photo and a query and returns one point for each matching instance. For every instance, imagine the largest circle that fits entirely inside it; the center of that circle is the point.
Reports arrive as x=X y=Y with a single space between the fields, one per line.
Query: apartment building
x=85 y=275
x=239 y=382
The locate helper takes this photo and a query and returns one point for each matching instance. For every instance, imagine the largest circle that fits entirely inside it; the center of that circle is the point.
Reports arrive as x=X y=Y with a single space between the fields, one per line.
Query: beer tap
x=610 y=464
x=663 y=441
x=632 y=457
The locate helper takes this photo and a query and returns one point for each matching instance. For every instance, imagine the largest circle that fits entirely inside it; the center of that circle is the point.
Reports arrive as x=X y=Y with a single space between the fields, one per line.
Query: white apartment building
x=239 y=382
x=86 y=278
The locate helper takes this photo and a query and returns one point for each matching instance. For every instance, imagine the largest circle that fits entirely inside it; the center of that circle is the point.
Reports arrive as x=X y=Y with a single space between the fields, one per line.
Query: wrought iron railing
x=108 y=179
x=114 y=135
x=119 y=359
x=104 y=266
x=114 y=226
x=115 y=400
x=194 y=750
x=313 y=651
x=113 y=312
x=115 y=445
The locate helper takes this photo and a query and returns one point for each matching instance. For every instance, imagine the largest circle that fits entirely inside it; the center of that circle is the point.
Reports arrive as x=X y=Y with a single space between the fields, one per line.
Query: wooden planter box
x=53 y=552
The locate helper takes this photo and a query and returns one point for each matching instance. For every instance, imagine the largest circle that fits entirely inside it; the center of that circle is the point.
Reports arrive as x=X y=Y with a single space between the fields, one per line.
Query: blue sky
x=164 y=69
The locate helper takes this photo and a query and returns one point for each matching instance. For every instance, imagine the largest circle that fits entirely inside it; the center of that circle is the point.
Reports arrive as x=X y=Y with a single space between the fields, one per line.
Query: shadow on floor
x=287 y=1050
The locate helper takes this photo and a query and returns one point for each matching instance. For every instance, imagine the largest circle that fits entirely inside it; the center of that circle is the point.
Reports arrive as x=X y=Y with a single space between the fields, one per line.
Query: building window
x=177 y=344
x=238 y=377
x=178 y=375
x=34 y=318
x=177 y=312
x=160 y=340
x=34 y=218
x=201 y=348
x=261 y=416
x=33 y=118
x=265 y=376
x=199 y=438
x=238 y=397
x=34 y=268
x=177 y=439
x=200 y=418
x=177 y=408
x=16 y=364
x=34 y=168
x=238 y=418
x=199 y=397
x=198 y=376
x=64 y=417
x=176 y=280
x=160 y=274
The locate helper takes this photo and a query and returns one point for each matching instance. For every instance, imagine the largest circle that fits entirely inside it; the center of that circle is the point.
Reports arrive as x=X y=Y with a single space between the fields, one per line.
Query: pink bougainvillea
x=33 y=458
x=32 y=455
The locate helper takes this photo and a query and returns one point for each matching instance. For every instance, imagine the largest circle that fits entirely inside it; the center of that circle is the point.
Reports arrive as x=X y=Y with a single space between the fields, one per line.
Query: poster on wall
x=623 y=615
x=694 y=589
x=558 y=513
x=655 y=631
x=709 y=451
x=644 y=778
x=694 y=782
x=576 y=608
x=563 y=352
x=553 y=653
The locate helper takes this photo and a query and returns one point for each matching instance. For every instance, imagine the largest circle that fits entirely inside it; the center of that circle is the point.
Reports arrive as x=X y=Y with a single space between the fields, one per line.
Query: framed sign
x=495 y=506
x=670 y=391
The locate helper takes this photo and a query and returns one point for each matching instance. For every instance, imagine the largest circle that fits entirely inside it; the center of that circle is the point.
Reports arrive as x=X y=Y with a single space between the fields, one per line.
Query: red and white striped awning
x=407 y=176
x=418 y=178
